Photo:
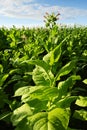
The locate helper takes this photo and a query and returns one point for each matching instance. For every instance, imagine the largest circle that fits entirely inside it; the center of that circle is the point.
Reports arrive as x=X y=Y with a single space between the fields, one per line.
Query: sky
x=30 y=13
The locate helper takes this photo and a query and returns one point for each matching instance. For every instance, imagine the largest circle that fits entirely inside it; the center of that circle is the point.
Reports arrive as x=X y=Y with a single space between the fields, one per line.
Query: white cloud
x=32 y=10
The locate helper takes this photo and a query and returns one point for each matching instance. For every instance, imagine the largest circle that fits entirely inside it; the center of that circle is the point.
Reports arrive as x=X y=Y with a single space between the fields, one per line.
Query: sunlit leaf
x=53 y=120
x=20 y=113
x=53 y=56
x=85 y=81
x=42 y=77
x=66 y=69
x=3 y=77
x=81 y=101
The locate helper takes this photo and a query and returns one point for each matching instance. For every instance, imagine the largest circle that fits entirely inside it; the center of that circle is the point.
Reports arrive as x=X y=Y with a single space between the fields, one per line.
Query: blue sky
x=30 y=12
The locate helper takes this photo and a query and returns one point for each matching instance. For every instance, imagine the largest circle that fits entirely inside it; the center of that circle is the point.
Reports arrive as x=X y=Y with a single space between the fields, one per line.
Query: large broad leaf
x=38 y=96
x=35 y=103
x=81 y=101
x=53 y=56
x=53 y=120
x=66 y=69
x=20 y=113
x=22 y=90
x=65 y=86
x=42 y=77
x=66 y=102
x=42 y=74
x=80 y=114
x=37 y=62
x=40 y=92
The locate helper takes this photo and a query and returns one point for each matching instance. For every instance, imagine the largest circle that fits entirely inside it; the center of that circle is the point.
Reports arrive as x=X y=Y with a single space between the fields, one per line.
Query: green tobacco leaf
x=40 y=92
x=22 y=90
x=15 y=71
x=53 y=56
x=40 y=63
x=66 y=102
x=85 y=81
x=3 y=78
x=20 y=113
x=65 y=86
x=1 y=69
x=37 y=96
x=23 y=125
x=80 y=114
x=53 y=120
x=81 y=101
x=42 y=74
x=42 y=77
x=38 y=105
x=65 y=69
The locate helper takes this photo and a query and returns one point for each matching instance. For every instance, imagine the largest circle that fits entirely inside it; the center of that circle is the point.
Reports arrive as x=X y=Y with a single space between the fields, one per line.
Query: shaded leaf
x=1 y=69
x=4 y=115
x=3 y=77
x=80 y=114
x=40 y=63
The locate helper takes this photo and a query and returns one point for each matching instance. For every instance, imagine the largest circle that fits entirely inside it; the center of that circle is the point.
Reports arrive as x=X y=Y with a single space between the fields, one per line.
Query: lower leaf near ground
x=56 y=119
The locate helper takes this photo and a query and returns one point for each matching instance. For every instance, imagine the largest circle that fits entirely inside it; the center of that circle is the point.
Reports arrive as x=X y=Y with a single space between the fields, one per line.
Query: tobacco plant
x=46 y=105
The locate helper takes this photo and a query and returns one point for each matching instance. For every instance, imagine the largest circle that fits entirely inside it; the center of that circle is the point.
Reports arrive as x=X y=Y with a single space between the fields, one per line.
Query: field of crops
x=43 y=78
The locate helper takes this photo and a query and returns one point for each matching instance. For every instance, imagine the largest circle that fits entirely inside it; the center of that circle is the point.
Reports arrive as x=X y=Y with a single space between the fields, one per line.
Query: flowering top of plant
x=50 y=19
